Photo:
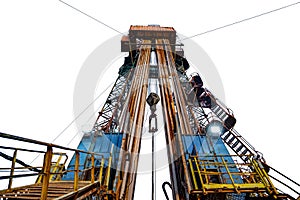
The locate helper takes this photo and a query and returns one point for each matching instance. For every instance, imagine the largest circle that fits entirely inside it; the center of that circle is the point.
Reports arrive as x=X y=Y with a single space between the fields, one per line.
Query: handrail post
x=200 y=175
x=76 y=175
x=229 y=174
x=101 y=171
x=193 y=174
x=46 y=172
x=107 y=177
x=93 y=169
x=12 y=170
x=55 y=168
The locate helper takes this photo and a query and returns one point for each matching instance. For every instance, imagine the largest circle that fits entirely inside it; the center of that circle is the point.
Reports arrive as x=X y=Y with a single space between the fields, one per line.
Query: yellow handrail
x=93 y=169
x=55 y=167
x=76 y=174
x=256 y=179
x=50 y=169
x=229 y=174
x=101 y=171
x=193 y=174
x=200 y=175
x=46 y=172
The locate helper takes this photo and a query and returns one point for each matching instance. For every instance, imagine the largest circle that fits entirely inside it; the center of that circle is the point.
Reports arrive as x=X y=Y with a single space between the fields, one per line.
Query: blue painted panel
x=205 y=148
x=221 y=149
x=102 y=144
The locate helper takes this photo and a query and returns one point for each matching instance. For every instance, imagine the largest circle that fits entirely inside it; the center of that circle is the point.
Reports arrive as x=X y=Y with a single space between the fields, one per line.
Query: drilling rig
x=208 y=159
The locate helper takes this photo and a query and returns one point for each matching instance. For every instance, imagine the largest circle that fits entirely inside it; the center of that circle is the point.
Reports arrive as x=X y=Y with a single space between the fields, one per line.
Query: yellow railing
x=57 y=167
x=49 y=170
x=220 y=173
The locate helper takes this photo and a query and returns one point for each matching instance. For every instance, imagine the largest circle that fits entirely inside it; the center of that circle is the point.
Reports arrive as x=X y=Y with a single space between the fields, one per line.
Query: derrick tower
x=208 y=159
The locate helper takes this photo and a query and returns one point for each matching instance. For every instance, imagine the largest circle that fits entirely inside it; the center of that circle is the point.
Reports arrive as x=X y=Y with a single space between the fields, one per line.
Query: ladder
x=239 y=145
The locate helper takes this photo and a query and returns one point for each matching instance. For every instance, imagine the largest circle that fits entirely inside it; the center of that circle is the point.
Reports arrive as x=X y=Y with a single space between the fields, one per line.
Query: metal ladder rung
x=244 y=152
x=216 y=109
x=231 y=140
x=235 y=144
x=227 y=136
x=239 y=148
x=222 y=115
x=219 y=112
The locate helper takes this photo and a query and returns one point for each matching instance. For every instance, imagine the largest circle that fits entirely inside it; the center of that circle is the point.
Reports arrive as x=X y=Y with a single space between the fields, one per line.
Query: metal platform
x=56 y=190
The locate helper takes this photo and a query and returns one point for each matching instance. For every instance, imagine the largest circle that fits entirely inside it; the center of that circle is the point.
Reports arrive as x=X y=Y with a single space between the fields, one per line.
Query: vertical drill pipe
x=136 y=98
x=140 y=119
x=182 y=114
x=126 y=126
x=180 y=101
x=135 y=128
x=123 y=126
x=168 y=118
x=136 y=109
x=181 y=126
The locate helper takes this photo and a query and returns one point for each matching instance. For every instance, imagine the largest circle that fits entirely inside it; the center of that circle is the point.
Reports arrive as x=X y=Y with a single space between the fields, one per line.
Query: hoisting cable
x=97 y=20
x=240 y=21
x=74 y=120
x=152 y=100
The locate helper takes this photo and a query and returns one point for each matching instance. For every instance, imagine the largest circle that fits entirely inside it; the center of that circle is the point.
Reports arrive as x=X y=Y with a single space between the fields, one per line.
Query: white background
x=44 y=43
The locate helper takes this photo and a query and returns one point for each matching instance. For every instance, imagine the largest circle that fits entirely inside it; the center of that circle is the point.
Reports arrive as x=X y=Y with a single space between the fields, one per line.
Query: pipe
x=164 y=188
x=168 y=115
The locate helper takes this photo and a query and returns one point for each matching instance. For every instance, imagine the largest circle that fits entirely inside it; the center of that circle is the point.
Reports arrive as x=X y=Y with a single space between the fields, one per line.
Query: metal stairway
x=56 y=190
x=47 y=172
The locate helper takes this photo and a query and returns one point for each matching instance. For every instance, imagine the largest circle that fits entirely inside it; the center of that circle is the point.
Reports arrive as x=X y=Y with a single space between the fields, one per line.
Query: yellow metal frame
x=258 y=182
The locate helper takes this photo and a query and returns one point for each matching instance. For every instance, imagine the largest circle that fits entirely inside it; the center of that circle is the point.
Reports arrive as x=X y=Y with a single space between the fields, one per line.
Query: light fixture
x=215 y=129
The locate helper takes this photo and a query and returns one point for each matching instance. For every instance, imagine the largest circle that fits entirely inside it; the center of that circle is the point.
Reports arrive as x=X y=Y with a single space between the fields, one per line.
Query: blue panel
x=221 y=149
x=102 y=144
x=196 y=144
x=205 y=149
x=188 y=144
